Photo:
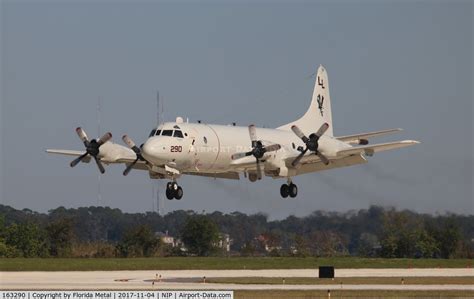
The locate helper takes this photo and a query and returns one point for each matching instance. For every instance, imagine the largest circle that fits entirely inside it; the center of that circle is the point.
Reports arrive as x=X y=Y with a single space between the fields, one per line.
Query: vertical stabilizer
x=319 y=111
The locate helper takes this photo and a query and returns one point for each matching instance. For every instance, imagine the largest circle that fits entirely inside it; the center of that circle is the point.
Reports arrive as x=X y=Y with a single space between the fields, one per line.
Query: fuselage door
x=206 y=147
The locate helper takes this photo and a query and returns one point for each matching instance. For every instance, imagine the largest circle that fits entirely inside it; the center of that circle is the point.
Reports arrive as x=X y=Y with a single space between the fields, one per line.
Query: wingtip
x=411 y=141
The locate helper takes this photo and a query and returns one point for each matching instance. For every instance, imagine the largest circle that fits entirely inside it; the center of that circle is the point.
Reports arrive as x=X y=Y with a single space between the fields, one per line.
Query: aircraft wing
x=244 y=162
x=72 y=153
x=356 y=138
x=371 y=149
x=109 y=153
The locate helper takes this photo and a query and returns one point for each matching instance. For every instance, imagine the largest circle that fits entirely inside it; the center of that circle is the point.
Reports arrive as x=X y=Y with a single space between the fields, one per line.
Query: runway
x=192 y=279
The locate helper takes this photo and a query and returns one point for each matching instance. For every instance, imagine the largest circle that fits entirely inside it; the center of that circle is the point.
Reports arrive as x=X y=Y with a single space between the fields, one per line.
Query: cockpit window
x=152 y=133
x=167 y=133
x=158 y=132
x=178 y=134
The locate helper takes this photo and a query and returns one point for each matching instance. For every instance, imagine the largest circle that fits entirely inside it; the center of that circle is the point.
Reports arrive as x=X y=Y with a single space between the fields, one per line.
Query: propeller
x=311 y=143
x=258 y=150
x=128 y=141
x=92 y=148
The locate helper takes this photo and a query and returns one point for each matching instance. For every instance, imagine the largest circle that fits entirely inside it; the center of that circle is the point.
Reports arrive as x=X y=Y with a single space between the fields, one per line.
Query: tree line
x=108 y=232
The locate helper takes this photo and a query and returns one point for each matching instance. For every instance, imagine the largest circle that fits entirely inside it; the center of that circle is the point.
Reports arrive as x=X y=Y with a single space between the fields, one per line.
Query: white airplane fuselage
x=210 y=147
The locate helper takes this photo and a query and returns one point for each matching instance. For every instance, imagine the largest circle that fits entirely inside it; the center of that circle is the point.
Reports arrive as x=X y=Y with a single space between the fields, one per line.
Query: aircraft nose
x=153 y=150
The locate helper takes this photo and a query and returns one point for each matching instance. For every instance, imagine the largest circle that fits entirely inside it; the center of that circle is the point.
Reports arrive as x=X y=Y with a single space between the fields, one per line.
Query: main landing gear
x=173 y=190
x=289 y=189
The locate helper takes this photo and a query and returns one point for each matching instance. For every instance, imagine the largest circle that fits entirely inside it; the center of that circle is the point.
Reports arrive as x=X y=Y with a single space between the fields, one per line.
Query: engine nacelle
x=111 y=152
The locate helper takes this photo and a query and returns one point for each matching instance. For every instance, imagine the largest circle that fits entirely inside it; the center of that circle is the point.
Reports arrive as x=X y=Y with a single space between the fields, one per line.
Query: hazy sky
x=396 y=64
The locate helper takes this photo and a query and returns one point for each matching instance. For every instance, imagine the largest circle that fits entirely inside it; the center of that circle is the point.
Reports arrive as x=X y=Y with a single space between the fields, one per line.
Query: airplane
x=174 y=149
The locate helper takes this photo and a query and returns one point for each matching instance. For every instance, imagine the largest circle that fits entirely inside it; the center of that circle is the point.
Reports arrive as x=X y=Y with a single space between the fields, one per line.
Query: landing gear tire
x=173 y=190
x=178 y=194
x=174 y=186
x=284 y=191
x=169 y=194
x=292 y=190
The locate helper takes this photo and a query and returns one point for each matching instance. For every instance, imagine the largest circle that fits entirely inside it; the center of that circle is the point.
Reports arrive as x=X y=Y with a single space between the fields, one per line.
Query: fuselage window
x=178 y=134
x=167 y=133
x=205 y=139
x=152 y=133
x=158 y=132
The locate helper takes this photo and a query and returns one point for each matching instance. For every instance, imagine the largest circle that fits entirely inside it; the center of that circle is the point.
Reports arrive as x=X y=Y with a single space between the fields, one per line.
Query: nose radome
x=146 y=148
x=152 y=150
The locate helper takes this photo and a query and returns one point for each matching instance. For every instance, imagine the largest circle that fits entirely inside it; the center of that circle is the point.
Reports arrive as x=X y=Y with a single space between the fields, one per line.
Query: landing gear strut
x=173 y=190
x=289 y=189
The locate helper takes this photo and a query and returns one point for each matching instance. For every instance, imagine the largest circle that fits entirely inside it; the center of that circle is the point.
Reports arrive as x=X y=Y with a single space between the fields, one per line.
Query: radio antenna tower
x=99 y=189
x=156 y=183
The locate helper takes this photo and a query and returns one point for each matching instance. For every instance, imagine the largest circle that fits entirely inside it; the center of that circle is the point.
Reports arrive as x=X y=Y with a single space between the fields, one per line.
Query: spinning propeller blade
x=107 y=136
x=78 y=159
x=240 y=155
x=297 y=160
x=259 y=170
x=322 y=130
x=82 y=135
x=311 y=143
x=299 y=133
x=253 y=134
x=99 y=164
x=128 y=141
x=92 y=148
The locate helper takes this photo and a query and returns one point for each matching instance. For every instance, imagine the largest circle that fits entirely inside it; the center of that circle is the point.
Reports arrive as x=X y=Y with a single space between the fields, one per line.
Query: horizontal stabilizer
x=371 y=149
x=356 y=138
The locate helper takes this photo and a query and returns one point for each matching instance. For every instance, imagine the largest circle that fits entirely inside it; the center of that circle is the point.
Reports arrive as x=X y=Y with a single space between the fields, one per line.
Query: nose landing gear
x=289 y=189
x=174 y=191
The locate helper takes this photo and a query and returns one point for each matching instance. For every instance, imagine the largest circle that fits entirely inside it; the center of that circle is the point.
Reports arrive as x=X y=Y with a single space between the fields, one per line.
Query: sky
x=391 y=64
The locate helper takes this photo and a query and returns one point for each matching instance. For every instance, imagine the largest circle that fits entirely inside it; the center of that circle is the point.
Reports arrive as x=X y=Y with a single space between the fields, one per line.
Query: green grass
x=273 y=294
x=468 y=280
x=188 y=263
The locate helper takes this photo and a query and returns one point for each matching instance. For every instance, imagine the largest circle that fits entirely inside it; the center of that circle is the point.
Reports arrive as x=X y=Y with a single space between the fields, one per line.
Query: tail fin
x=319 y=111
